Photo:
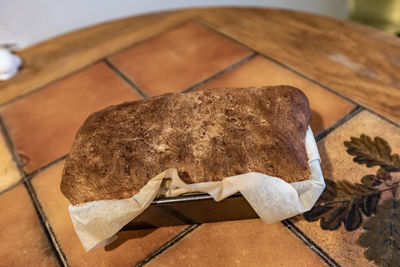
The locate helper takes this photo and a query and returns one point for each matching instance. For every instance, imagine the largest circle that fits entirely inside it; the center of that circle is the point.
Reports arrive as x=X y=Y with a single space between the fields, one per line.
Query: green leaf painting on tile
x=358 y=204
x=375 y=152
x=343 y=202
x=382 y=234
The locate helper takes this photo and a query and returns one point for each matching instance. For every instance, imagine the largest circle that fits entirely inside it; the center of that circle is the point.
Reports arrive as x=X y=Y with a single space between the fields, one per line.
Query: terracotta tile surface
x=239 y=243
x=23 y=240
x=337 y=165
x=326 y=107
x=178 y=58
x=132 y=246
x=43 y=125
x=9 y=174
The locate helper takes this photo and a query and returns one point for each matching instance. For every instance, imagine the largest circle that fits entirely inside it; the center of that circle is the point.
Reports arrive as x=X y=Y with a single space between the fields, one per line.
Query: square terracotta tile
x=338 y=165
x=326 y=107
x=131 y=247
x=9 y=173
x=43 y=125
x=239 y=243
x=178 y=58
x=23 y=240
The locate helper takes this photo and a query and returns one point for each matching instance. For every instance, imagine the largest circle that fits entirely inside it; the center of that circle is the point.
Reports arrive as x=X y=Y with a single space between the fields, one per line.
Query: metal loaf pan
x=191 y=209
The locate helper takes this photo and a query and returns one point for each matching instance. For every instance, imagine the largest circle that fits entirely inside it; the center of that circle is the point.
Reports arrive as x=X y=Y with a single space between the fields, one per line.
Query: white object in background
x=43 y=19
x=9 y=64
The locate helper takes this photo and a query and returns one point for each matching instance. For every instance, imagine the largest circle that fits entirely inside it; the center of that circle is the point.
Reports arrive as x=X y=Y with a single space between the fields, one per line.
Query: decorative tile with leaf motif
x=359 y=210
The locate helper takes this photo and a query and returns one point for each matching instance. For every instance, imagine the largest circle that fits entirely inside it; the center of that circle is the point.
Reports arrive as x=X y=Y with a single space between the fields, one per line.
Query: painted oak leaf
x=343 y=202
x=375 y=181
x=375 y=152
x=382 y=234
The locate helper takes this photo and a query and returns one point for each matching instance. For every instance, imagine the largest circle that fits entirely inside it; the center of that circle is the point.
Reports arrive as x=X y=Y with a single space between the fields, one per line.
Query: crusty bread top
x=207 y=135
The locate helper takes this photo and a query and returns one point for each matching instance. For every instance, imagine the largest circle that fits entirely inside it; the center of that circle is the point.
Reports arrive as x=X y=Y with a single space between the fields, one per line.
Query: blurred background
x=26 y=22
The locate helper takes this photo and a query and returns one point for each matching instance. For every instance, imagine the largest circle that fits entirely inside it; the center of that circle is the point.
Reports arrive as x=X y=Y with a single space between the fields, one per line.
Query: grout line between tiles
x=179 y=23
x=203 y=23
x=337 y=124
x=40 y=87
x=124 y=77
x=46 y=225
x=309 y=79
x=275 y=61
x=168 y=244
x=199 y=21
x=327 y=88
x=32 y=194
x=45 y=167
x=105 y=57
x=20 y=181
x=382 y=117
x=313 y=246
x=221 y=72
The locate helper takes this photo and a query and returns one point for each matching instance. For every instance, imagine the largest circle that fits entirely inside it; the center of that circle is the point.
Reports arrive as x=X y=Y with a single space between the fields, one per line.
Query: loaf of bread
x=206 y=135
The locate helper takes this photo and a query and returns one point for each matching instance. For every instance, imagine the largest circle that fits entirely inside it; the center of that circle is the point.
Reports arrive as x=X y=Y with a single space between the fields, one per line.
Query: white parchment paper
x=273 y=199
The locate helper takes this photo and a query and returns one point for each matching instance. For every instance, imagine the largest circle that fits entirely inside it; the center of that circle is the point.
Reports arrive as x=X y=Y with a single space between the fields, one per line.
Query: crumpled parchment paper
x=273 y=199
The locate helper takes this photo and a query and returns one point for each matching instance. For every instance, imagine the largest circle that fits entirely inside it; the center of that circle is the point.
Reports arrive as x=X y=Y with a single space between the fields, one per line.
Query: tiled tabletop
x=37 y=130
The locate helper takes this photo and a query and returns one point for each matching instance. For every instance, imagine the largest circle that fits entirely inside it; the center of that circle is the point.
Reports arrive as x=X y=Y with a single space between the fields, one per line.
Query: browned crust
x=206 y=135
